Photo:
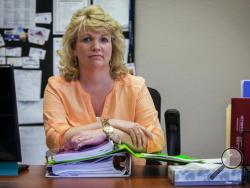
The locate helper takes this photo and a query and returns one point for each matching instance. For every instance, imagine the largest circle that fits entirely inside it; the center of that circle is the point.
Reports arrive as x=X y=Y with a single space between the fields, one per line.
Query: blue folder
x=245 y=88
x=8 y=169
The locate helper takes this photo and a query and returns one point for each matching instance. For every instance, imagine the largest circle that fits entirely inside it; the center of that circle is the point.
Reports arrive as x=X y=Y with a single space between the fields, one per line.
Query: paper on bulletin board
x=28 y=84
x=15 y=61
x=2 y=51
x=2 y=43
x=37 y=53
x=13 y=13
x=63 y=11
x=13 y=51
x=30 y=62
x=43 y=18
x=117 y=9
x=56 y=59
x=30 y=112
x=126 y=41
x=38 y=35
x=2 y=60
x=33 y=145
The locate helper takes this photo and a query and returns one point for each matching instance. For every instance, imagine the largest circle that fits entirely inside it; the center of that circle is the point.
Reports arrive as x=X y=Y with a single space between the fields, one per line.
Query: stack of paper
x=95 y=161
x=101 y=167
x=86 y=153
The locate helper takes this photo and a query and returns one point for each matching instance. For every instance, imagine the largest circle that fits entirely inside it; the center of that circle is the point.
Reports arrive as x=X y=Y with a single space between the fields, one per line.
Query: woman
x=95 y=98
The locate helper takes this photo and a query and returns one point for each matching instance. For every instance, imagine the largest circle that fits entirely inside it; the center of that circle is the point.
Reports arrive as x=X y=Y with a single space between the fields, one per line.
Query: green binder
x=159 y=156
x=108 y=148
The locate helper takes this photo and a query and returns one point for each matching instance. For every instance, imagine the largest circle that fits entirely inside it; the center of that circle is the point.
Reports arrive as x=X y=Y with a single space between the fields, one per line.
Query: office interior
x=195 y=53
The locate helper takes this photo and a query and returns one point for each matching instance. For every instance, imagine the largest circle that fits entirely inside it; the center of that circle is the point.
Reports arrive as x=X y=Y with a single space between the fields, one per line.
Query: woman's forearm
x=75 y=132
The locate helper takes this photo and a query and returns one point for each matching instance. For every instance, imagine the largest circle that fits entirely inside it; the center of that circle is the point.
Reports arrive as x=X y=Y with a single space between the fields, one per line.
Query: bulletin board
x=34 y=60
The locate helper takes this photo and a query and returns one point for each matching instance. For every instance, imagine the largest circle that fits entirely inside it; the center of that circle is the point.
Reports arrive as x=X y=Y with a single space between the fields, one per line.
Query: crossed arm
x=130 y=133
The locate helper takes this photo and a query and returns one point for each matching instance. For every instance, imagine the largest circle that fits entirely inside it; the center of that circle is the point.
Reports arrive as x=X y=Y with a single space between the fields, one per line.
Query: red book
x=240 y=127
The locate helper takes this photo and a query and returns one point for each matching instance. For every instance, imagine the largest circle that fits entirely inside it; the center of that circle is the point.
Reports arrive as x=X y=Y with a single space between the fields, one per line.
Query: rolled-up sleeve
x=147 y=116
x=55 y=121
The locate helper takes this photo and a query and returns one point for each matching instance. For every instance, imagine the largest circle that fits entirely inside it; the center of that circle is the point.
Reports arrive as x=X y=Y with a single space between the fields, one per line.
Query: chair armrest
x=172 y=123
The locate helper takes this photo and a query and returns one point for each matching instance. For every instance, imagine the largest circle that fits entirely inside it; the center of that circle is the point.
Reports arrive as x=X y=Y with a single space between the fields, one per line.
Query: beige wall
x=195 y=52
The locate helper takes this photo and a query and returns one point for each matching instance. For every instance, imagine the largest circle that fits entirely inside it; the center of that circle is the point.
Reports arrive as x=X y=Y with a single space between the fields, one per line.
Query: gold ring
x=79 y=140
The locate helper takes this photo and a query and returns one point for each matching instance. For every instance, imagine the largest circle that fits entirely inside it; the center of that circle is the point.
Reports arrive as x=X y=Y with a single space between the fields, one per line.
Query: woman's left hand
x=138 y=134
x=138 y=137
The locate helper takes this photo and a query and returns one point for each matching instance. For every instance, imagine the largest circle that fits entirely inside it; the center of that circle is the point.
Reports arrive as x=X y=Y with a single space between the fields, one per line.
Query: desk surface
x=142 y=176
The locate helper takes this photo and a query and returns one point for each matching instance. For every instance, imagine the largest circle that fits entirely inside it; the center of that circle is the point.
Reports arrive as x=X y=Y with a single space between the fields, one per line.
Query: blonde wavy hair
x=94 y=18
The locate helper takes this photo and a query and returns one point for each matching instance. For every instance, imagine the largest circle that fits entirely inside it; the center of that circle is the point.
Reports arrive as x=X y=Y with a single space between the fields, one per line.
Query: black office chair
x=172 y=123
x=157 y=100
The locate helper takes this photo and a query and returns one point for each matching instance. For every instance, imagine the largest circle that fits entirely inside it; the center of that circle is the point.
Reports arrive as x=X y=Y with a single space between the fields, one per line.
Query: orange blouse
x=66 y=105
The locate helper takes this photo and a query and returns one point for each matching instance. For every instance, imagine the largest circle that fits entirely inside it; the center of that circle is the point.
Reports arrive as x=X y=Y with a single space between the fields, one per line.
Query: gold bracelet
x=109 y=131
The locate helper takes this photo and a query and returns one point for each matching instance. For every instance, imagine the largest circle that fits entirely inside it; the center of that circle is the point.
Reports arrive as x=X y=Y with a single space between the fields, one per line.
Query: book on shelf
x=240 y=127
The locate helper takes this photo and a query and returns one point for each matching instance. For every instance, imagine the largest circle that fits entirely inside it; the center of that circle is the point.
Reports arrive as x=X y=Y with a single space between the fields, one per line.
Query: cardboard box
x=199 y=174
